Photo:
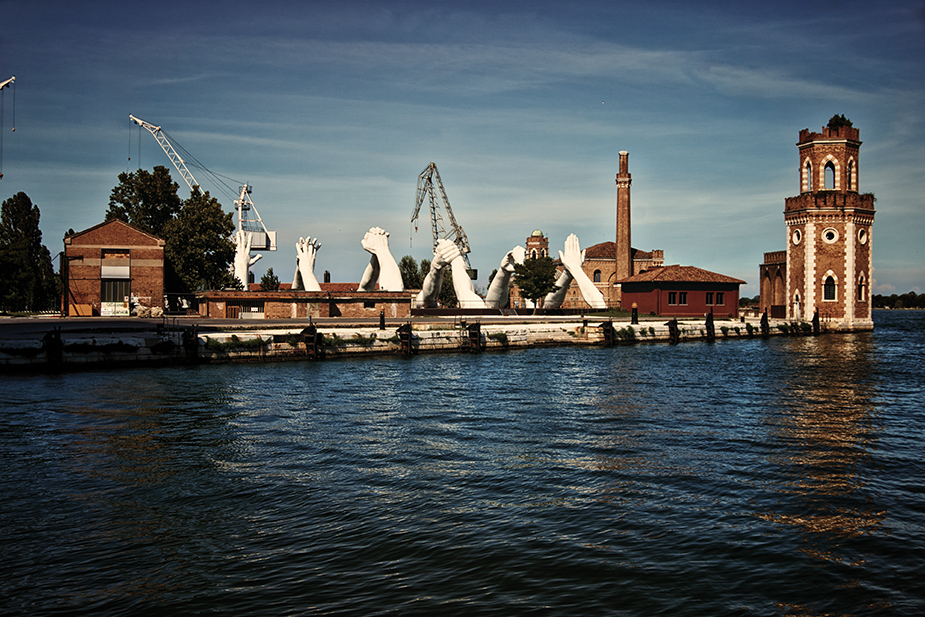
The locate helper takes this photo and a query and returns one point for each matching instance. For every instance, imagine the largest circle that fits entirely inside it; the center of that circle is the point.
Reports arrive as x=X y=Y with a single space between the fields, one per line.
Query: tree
x=411 y=276
x=197 y=246
x=145 y=200
x=196 y=232
x=837 y=121
x=269 y=281
x=27 y=278
x=535 y=277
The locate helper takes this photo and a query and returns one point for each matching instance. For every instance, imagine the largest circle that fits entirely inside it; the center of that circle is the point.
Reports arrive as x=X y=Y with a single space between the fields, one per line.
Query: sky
x=330 y=110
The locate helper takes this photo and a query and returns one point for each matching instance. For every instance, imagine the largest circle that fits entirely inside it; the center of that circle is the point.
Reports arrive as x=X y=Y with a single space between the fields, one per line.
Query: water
x=778 y=477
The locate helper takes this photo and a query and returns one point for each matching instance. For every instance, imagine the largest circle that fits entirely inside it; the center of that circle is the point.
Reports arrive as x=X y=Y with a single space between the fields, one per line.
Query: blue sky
x=332 y=109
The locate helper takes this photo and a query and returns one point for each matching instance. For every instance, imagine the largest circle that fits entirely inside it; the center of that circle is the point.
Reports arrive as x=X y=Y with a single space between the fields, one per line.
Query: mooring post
x=314 y=342
x=609 y=334
x=635 y=318
x=404 y=339
x=674 y=333
x=191 y=343
x=382 y=320
x=474 y=342
x=711 y=330
x=54 y=346
x=816 y=322
x=765 y=328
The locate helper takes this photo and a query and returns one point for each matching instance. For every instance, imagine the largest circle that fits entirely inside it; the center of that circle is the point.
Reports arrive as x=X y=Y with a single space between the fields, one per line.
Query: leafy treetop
x=839 y=121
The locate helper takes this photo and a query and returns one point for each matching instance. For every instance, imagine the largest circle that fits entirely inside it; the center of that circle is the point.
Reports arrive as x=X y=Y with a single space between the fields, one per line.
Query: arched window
x=533 y=254
x=597 y=276
x=828 y=289
x=852 y=181
x=862 y=289
x=829 y=176
x=807 y=176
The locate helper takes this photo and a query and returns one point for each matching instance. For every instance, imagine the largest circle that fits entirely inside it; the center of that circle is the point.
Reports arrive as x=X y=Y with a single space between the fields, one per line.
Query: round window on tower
x=830 y=235
x=862 y=236
x=797 y=236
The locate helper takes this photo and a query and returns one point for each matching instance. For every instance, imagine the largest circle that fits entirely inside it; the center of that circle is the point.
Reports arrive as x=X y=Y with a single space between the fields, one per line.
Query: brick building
x=334 y=300
x=107 y=265
x=828 y=264
x=682 y=291
x=606 y=263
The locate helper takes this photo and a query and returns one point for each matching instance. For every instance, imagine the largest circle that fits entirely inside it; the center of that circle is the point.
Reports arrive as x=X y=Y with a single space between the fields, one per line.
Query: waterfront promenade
x=81 y=343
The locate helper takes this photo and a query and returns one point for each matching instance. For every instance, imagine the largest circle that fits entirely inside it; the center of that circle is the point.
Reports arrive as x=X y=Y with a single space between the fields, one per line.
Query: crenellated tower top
x=829 y=160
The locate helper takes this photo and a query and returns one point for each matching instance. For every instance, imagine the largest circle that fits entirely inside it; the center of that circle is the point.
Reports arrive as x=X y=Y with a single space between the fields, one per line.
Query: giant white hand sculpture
x=306 y=250
x=554 y=298
x=499 y=290
x=572 y=259
x=433 y=283
x=382 y=265
x=242 y=257
x=465 y=292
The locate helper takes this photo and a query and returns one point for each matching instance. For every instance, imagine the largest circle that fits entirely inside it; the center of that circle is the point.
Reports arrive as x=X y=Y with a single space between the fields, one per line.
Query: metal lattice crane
x=261 y=238
x=431 y=187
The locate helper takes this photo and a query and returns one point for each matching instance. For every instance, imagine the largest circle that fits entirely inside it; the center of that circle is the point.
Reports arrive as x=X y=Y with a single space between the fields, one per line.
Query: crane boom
x=168 y=149
x=261 y=238
x=431 y=186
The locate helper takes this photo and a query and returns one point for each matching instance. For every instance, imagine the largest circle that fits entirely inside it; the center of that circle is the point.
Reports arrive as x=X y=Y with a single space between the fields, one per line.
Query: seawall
x=58 y=350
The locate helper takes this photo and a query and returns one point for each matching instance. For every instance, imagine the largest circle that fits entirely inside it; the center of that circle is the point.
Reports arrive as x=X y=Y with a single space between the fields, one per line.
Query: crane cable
x=2 y=110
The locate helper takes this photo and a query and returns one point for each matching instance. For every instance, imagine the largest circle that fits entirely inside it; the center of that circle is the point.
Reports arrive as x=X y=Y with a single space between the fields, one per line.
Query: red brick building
x=334 y=300
x=682 y=291
x=107 y=265
x=829 y=264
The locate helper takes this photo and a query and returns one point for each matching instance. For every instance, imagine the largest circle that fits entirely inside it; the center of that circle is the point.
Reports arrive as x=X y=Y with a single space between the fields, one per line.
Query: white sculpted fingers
x=306 y=252
x=515 y=256
x=376 y=240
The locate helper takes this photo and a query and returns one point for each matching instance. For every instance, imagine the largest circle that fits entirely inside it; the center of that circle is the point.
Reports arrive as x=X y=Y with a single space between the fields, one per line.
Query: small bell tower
x=829 y=231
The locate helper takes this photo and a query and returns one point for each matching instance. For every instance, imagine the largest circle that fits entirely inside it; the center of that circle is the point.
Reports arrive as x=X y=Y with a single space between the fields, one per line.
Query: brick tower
x=537 y=245
x=624 y=247
x=829 y=231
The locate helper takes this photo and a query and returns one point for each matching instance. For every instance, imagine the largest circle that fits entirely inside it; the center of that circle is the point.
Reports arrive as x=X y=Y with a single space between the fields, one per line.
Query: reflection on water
x=824 y=436
x=740 y=477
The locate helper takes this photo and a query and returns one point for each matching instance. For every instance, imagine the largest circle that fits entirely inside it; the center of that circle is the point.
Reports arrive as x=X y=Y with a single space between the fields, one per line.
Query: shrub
x=501 y=337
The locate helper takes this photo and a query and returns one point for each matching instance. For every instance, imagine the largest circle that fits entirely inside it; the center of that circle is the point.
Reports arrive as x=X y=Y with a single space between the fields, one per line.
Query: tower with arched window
x=829 y=231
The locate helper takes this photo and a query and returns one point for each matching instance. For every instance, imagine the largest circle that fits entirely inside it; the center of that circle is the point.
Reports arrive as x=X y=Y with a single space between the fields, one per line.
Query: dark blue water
x=777 y=477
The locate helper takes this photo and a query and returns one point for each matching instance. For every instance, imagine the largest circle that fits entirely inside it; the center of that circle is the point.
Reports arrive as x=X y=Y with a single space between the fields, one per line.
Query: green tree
x=411 y=276
x=197 y=246
x=269 y=281
x=27 y=278
x=148 y=201
x=535 y=278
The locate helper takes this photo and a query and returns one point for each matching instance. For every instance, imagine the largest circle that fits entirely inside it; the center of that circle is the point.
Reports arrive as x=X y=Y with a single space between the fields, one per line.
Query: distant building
x=110 y=265
x=606 y=263
x=334 y=300
x=682 y=291
x=828 y=263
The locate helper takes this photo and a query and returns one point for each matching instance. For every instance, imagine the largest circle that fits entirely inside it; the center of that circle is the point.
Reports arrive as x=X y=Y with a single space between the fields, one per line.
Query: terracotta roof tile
x=681 y=274
x=608 y=250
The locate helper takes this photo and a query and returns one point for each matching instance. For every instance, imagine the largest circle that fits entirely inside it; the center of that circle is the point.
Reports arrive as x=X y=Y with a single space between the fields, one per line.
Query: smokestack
x=624 y=252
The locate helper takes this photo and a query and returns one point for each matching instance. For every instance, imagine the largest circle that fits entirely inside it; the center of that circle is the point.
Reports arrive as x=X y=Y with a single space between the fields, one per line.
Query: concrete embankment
x=76 y=349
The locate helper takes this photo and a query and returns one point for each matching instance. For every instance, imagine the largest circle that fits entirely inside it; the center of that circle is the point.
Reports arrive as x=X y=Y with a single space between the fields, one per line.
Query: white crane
x=253 y=233
x=430 y=186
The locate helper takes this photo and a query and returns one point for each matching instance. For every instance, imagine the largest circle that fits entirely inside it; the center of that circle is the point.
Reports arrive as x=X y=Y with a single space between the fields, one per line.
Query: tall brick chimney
x=624 y=256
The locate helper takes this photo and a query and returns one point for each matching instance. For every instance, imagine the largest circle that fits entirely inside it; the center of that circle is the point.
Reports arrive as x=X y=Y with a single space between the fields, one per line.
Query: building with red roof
x=682 y=291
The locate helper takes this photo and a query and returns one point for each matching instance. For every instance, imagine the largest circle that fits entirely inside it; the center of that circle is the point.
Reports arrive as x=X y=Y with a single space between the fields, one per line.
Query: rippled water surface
x=754 y=477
